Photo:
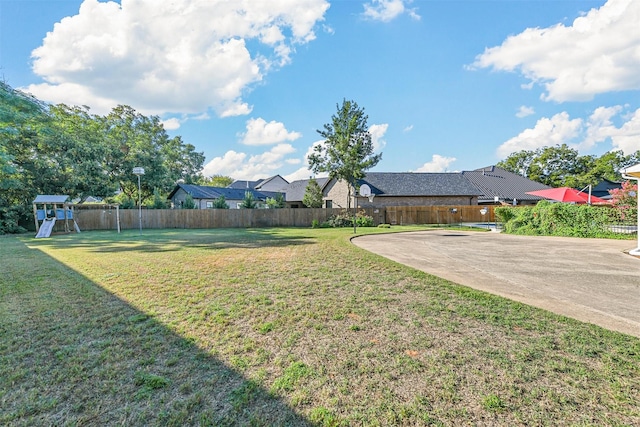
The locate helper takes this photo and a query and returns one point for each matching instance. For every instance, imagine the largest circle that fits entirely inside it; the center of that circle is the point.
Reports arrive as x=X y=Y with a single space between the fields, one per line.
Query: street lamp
x=138 y=172
x=633 y=172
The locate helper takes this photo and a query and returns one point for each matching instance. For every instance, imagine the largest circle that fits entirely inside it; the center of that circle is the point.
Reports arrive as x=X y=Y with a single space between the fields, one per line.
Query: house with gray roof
x=296 y=190
x=204 y=196
x=498 y=186
x=274 y=183
x=404 y=189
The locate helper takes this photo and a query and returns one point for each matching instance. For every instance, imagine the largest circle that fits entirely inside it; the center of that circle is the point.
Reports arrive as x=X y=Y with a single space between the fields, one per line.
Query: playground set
x=47 y=209
x=51 y=209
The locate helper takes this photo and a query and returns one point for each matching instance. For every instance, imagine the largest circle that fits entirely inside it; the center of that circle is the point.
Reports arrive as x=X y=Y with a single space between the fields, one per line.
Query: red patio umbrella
x=567 y=195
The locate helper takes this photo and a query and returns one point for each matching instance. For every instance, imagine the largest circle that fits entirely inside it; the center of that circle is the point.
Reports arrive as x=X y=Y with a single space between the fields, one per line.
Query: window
x=328 y=204
x=209 y=205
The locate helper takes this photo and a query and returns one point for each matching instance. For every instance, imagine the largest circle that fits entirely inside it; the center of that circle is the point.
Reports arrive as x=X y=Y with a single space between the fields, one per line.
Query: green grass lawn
x=284 y=327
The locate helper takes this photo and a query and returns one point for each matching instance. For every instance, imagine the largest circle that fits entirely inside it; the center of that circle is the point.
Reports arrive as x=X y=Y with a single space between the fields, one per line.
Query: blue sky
x=448 y=85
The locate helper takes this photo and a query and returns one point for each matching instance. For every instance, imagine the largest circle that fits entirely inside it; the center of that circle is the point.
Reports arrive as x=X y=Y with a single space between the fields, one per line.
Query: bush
x=364 y=220
x=220 y=203
x=124 y=201
x=158 y=201
x=561 y=219
x=315 y=224
x=384 y=226
x=189 y=203
x=345 y=219
x=10 y=218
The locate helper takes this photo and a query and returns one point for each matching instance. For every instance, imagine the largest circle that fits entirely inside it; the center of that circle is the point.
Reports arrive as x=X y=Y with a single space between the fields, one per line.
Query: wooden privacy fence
x=408 y=215
x=107 y=218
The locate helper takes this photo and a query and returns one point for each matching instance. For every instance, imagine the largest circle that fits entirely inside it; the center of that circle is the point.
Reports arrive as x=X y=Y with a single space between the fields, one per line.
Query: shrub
x=249 y=201
x=220 y=203
x=9 y=219
x=158 y=201
x=384 y=226
x=189 y=203
x=345 y=219
x=364 y=220
x=342 y=219
x=560 y=219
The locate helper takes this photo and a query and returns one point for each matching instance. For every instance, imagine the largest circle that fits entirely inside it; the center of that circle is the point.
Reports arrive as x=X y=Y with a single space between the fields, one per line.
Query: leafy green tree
x=124 y=201
x=181 y=160
x=134 y=140
x=277 y=202
x=249 y=201
x=24 y=129
x=312 y=195
x=159 y=201
x=215 y=181
x=59 y=149
x=347 y=151
x=220 y=203
x=609 y=165
x=189 y=203
x=77 y=144
x=561 y=166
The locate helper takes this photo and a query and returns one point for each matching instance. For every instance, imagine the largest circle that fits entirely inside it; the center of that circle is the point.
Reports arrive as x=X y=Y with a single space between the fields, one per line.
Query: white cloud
x=525 y=111
x=597 y=54
x=627 y=136
x=241 y=166
x=183 y=56
x=305 y=172
x=408 y=129
x=377 y=133
x=259 y=132
x=558 y=129
x=171 y=124
x=599 y=126
x=438 y=163
x=387 y=10
x=579 y=134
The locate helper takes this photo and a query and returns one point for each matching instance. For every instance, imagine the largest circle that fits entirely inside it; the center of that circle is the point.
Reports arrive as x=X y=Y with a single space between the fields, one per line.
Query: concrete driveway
x=592 y=280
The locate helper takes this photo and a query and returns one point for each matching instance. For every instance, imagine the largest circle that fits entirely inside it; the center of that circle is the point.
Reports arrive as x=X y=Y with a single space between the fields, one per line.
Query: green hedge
x=564 y=219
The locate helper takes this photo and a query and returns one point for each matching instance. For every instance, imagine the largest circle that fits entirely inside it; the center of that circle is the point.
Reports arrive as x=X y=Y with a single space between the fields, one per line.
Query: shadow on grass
x=71 y=353
x=168 y=240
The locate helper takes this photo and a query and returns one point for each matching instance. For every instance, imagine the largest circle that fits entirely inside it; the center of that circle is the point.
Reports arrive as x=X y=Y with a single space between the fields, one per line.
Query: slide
x=46 y=227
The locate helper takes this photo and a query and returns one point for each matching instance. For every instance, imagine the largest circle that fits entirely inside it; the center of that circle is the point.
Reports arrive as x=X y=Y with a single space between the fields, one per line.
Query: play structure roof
x=44 y=198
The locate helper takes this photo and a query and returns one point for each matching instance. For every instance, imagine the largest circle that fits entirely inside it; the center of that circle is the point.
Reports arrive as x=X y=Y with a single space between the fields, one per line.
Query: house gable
x=275 y=183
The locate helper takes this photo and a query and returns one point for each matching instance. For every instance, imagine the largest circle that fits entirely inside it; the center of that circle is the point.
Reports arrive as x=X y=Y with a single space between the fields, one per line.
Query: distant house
x=296 y=190
x=404 y=189
x=603 y=187
x=498 y=186
x=275 y=183
x=204 y=196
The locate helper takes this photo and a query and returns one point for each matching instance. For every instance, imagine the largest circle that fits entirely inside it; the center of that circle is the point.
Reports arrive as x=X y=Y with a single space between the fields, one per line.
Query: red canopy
x=566 y=194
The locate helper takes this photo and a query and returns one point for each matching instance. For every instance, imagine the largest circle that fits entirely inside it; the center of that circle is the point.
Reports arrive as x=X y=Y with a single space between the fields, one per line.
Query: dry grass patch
x=285 y=327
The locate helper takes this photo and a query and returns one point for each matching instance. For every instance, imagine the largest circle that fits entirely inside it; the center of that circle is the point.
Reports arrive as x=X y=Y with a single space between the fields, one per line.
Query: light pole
x=633 y=172
x=138 y=172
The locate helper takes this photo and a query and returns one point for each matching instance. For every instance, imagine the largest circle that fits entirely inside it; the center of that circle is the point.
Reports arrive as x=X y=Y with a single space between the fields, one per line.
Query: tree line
x=59 y=149
x=562 y=166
